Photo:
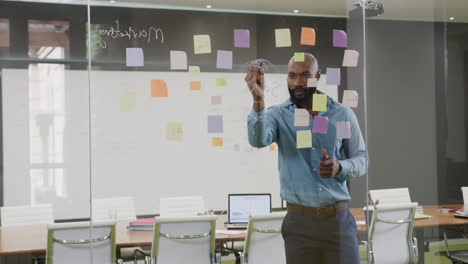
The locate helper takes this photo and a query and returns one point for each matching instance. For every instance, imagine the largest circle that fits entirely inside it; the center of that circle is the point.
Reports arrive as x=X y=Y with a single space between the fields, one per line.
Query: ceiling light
x=451 y=18
x=112 y=1
x=296 y=11
x=208 y=6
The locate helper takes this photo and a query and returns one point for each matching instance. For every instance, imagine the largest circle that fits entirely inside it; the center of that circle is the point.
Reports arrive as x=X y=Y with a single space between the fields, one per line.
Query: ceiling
x=419 y=10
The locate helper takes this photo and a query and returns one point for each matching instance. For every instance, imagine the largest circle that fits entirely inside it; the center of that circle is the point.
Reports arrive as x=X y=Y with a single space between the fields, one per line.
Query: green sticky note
x=319 y=102
x=201 y=44
x=127 y=101
x=298 y=56
x=175 y=131
x=194 y=70
x=283 y=37
x=304 y=138
x=221 y=82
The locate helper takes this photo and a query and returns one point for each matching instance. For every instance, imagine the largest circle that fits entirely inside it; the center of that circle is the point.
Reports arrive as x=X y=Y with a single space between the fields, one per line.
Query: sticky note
x=333 y=76
x=215 y=124
x=178 y=60
x=271 y=147
x=127 y=101
x=343 y=130
x=175 y=131
x=298 y=56
x=158 y=88
x=350 y=58
x=312 y=82
x=217 y=99
x=201 y=44
x=217 y=141
x=350 y=98
x=221 y=82
x=340 y=39
x=320 y=125
x=134 y=57
x=194 y=70
x=195 y=86
x=301 y=117
x=304 y=139
x=224 y=59
x=283 y=37
x=319 y=102
x=307 y=36
x=241 y=38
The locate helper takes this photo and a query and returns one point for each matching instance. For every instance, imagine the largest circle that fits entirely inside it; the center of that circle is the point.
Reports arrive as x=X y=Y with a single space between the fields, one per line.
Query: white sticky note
x=224 y=59
x=301 y=117
x=283 y=37
x=312 y=82
x=178 y=60
x=350 y=98
x=194 y=70
x=134 y=57
x=350 y=58
x=201 y=44
x=343 y=130
x=304 y=138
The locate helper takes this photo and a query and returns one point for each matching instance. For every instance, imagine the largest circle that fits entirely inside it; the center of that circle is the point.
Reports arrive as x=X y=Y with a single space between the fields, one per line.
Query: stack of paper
x=143 y=224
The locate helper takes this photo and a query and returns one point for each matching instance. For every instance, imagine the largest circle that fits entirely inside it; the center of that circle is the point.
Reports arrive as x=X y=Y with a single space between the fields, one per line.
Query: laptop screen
x=241 y=206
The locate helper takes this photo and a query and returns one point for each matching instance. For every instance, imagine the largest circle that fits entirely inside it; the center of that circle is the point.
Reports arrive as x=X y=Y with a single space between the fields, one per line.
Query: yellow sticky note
x=319 y=102
x=221 y=82
x=201 y=44
x=127 y=101
x=158 y=88
x=304 y=138
x=283 y=37
x=175 y=131
x=194 y=70
x=217 y=141
x=271 y=147
x=298 y=56
x=307 y=36
x=195 y=86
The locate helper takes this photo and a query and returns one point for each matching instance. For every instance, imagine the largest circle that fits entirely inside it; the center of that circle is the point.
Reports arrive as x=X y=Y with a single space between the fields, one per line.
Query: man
x=318 y=227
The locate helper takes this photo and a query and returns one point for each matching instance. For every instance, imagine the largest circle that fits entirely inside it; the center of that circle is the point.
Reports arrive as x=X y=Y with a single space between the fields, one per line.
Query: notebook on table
x=241 y=206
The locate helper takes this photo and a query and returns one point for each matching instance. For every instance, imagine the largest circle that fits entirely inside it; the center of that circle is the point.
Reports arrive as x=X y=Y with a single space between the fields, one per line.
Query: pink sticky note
x=224 y=59
x=343 y=130
x=350 y=58
x=216 y=99
x=241 y=38
x=320 y=125
x=333 y=76
x=340 y=39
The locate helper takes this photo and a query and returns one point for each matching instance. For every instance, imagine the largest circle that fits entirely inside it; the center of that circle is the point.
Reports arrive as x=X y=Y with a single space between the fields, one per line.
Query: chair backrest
x=465 y=195
x=391 y=233
x=71 y=243
x=114 y=209
x=385 y=196
x=182 y=206
x=27 y=215
x=184 y=239
x=264 y=243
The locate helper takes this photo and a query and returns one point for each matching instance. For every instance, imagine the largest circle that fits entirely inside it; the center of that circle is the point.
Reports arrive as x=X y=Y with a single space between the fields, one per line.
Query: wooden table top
x=33 y=238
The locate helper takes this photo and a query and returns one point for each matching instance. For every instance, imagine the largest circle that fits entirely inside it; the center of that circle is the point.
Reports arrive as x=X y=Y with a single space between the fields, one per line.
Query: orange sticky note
x=195 y=86
x=307 y=36
x=271 y=147
x=217 y=141
x=158 y=88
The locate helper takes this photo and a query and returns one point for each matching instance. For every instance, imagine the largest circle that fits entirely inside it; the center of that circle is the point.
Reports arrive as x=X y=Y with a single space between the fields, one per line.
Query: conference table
x=33 y=239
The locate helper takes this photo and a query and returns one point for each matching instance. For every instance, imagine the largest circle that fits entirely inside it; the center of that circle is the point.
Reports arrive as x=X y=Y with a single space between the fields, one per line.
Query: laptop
x=241 y=206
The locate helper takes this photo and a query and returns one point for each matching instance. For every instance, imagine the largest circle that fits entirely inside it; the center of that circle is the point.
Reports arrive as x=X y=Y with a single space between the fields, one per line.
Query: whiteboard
x=127 y=150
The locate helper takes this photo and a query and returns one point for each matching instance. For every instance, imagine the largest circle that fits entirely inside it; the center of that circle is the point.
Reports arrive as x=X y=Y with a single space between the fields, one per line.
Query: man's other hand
x=329 y=167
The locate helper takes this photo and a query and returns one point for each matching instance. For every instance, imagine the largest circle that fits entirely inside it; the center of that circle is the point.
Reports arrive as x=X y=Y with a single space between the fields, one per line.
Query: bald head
x=308 y=58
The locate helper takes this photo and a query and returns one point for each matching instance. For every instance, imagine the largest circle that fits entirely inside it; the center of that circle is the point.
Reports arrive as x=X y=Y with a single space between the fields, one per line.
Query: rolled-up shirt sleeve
x=262 y=128
x=355 y=160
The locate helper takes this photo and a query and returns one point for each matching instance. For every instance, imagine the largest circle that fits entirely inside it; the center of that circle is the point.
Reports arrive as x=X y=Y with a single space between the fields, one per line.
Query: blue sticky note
x=333 y=76
x=241 y=38
x=134 y=57
x=224 y=59
x=215 y=124
x=340 y=39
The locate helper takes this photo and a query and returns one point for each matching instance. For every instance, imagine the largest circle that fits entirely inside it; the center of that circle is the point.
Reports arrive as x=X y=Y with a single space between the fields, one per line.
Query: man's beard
x=306 y=99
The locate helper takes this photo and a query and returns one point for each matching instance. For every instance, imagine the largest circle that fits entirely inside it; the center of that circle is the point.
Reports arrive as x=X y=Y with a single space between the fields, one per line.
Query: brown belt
x=319 y=212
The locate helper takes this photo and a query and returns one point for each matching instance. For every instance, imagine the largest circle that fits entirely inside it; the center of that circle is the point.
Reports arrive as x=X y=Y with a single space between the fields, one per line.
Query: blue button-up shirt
x=299 y=168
